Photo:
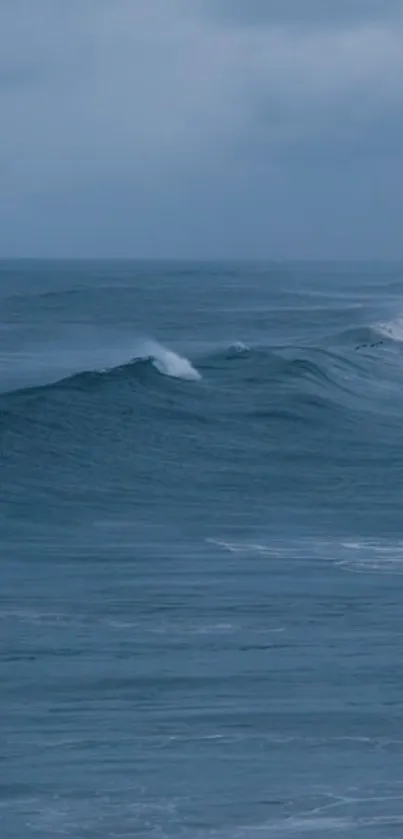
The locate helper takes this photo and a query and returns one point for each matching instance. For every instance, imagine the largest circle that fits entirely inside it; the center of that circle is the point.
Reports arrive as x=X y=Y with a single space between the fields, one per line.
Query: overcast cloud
x=201 y=128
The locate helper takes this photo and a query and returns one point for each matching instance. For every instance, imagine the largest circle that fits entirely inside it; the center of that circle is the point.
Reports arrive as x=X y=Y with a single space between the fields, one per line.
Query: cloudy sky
x=201 y=128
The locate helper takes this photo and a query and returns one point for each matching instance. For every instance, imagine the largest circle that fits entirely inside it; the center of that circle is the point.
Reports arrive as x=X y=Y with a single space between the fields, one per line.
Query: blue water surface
x=201 y=591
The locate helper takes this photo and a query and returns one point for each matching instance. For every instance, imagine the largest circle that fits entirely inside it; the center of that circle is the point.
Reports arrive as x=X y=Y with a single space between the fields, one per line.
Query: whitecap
x=169 y=363
x=393 y=329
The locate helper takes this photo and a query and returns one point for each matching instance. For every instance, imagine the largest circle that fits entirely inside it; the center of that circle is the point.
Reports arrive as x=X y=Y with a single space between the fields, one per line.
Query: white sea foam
x=363 y=556
x=275 y=550
x=238 y=348
x=168 y=362
x=393 y=329
x=376 y=557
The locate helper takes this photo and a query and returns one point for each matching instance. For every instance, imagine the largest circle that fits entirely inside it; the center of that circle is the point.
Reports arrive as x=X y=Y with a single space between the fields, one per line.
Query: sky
x=257 y=129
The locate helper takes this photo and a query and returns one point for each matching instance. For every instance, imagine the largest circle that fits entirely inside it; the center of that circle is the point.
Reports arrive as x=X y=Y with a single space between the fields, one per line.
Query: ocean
x=201 y=519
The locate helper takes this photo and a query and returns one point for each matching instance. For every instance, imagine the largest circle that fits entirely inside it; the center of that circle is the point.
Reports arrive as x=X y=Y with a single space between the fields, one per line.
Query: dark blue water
x=201 y=600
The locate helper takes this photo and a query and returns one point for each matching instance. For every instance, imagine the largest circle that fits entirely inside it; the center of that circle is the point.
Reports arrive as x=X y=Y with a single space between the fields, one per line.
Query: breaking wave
x=170 y=363
x=69 y=366
x=392 y=330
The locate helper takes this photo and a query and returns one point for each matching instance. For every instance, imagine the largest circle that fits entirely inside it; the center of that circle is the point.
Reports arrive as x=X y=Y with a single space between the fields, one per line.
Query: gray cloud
x=159 y=126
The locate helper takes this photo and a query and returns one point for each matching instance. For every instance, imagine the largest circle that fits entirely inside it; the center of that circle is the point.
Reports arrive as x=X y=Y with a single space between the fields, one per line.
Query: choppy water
x=201 y=550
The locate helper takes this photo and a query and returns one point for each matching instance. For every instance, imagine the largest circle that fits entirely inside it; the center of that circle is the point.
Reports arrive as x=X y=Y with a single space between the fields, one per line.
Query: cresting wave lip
x=170 y=363
x=393 y=329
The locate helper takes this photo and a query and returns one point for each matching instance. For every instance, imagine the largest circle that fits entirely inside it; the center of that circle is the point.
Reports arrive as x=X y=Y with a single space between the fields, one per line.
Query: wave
x=369 y=335
x=234 y=366
x=282 y=363
x=238 y=367
x=61 y=371
x=333 y=358
x=392 y=330
x=170 y=363
x=259 y=384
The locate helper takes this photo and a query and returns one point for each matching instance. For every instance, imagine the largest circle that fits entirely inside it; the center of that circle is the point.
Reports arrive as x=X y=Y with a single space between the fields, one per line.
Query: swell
x=236 y=379
x=260 y=426
x=151 y=360
x=239 y=363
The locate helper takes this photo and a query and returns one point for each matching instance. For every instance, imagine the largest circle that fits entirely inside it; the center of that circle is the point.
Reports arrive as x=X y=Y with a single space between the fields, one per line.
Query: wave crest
x=170 y=363
x=393 y=329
